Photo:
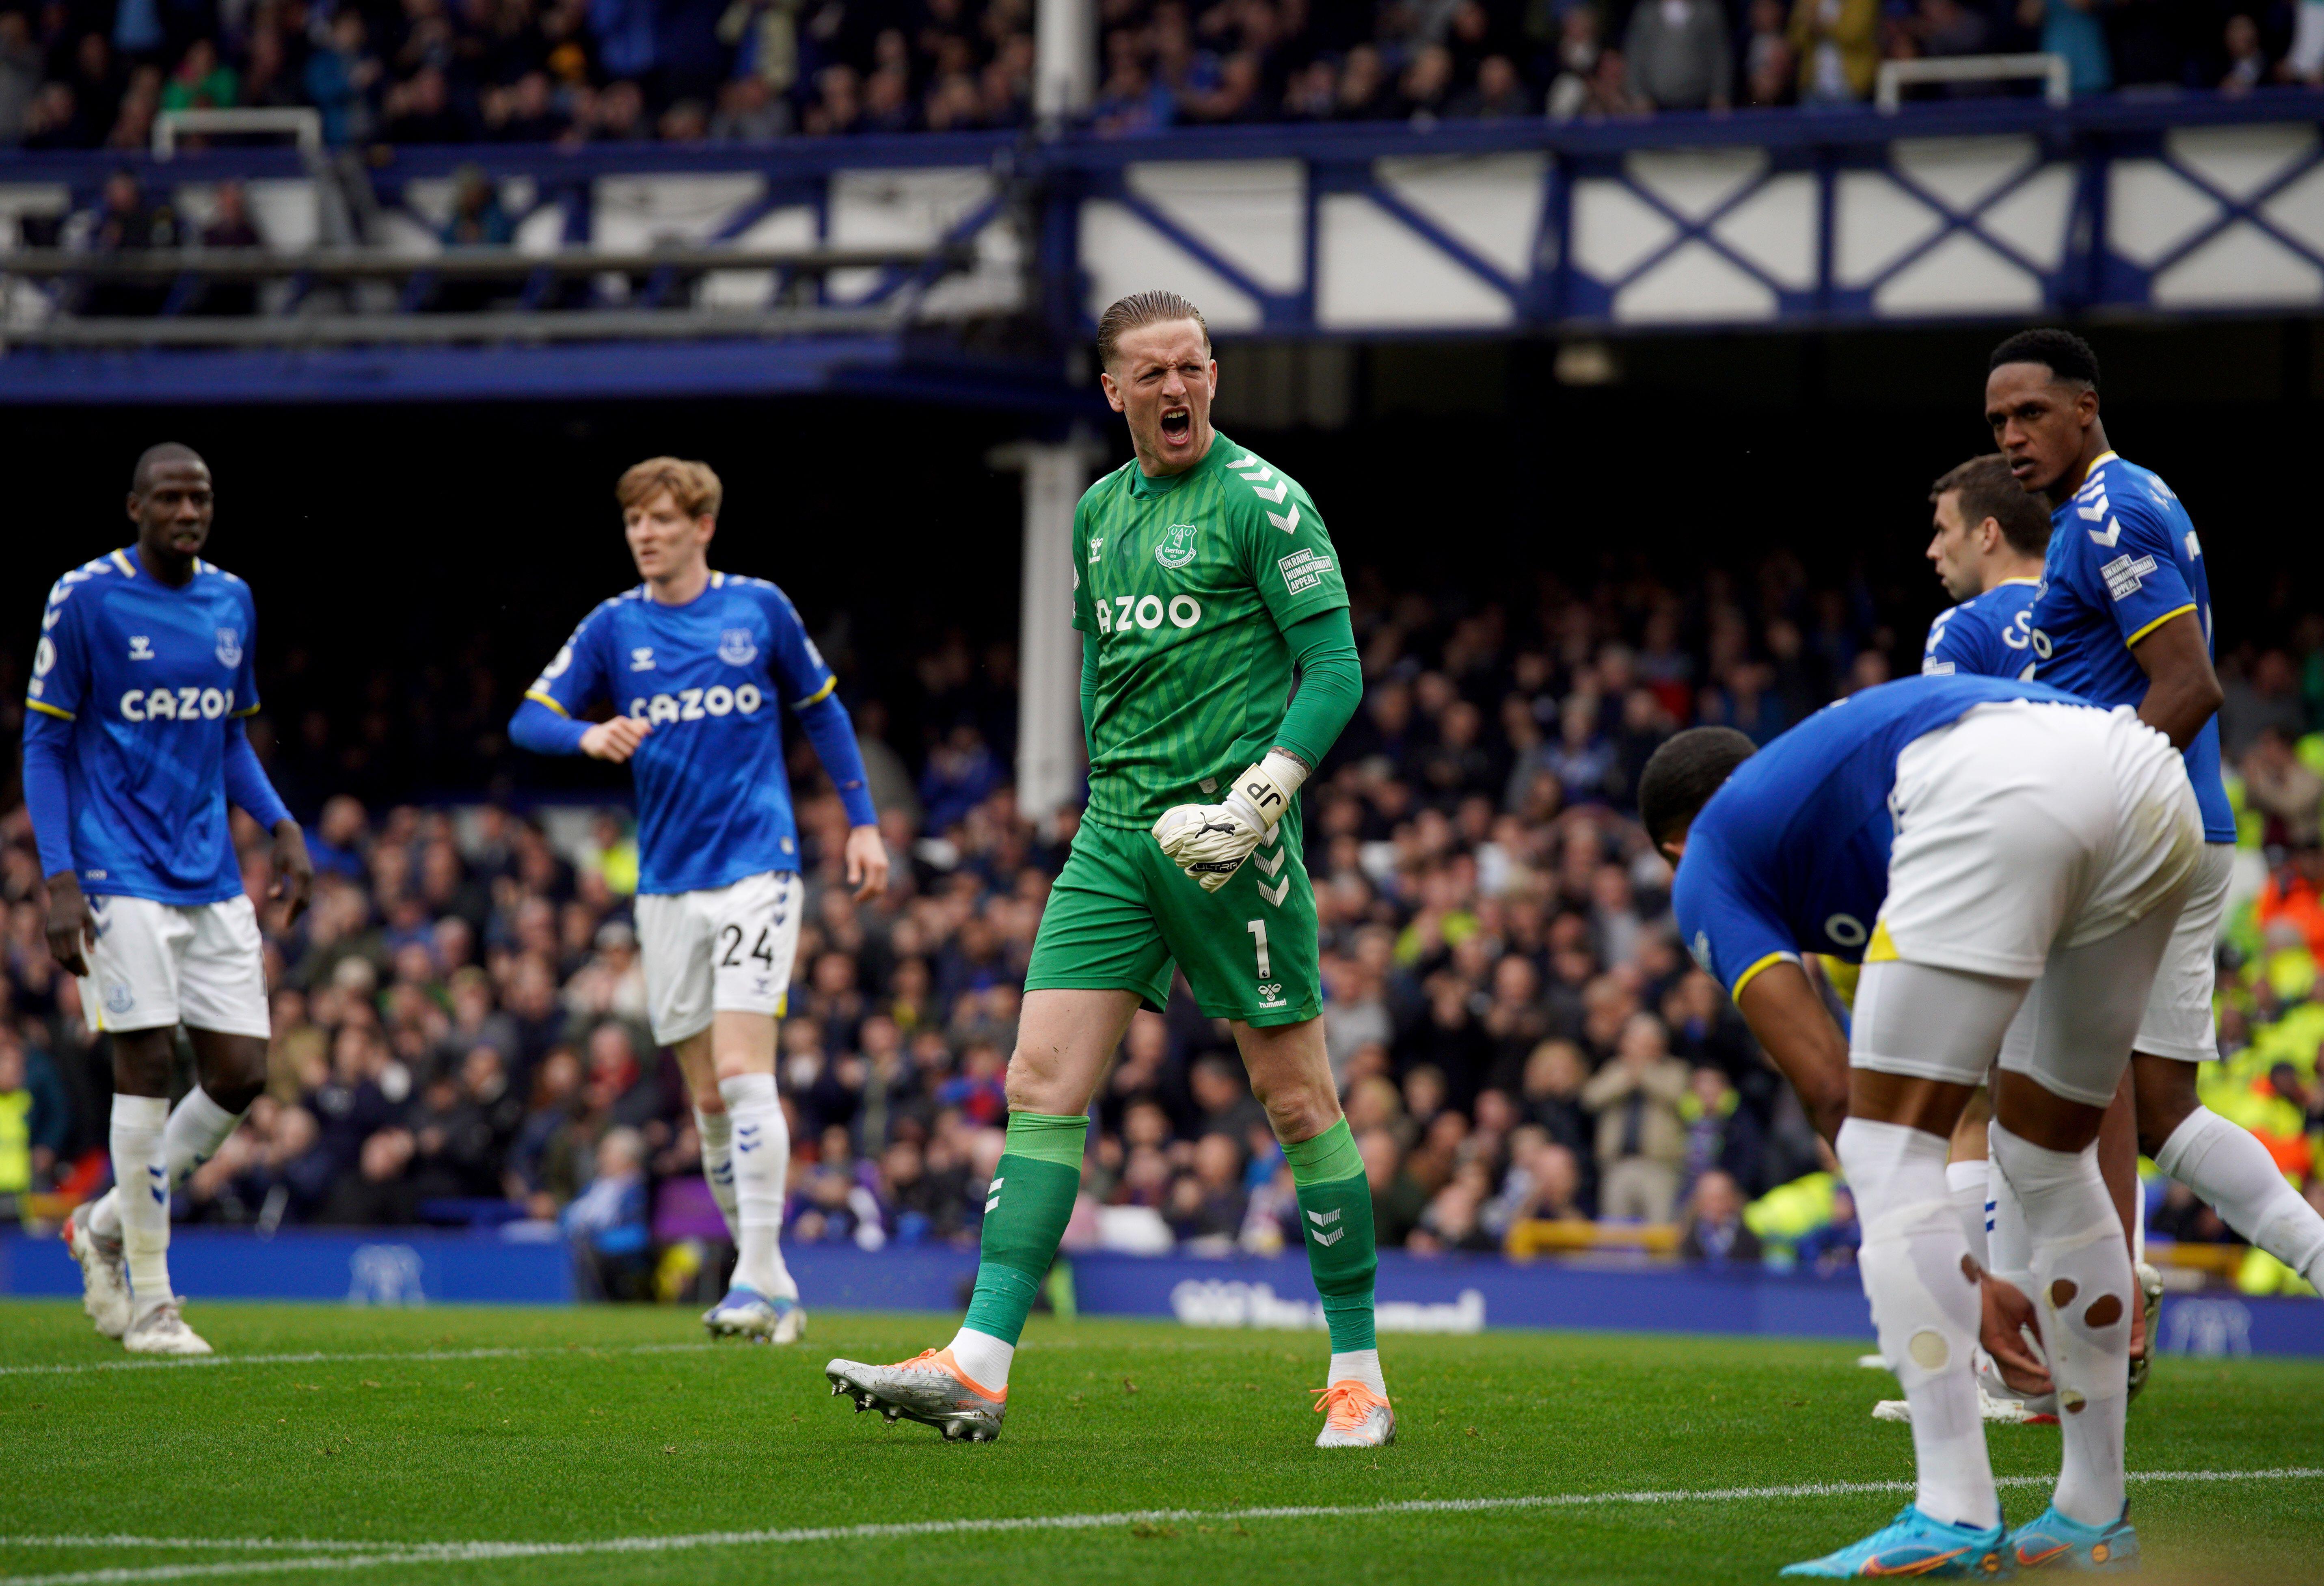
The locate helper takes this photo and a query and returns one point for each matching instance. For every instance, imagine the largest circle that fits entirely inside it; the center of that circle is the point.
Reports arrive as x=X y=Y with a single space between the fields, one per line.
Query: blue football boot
x=1914 y=1544
x=2052 y=1542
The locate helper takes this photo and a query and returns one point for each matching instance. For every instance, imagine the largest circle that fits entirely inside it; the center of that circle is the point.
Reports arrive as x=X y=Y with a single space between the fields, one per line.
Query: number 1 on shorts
x=1258 y=929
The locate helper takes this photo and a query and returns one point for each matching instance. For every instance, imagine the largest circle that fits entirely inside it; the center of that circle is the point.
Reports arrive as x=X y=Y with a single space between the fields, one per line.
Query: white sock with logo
x=716 y=1131
x=2228 y=1168
x=198 y=1127
x=1966 y=1182
x=984 y=1357
x=763 y=1160
x=1926 y=1304
x=141 y=1173
x=1362 y=1365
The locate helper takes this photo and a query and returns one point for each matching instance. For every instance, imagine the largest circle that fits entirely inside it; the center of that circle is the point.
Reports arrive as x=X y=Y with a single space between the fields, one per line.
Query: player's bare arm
x=1789 y=1021
x=69 y=927
x=2184 y=691
x=866 y=857
x=293 y=886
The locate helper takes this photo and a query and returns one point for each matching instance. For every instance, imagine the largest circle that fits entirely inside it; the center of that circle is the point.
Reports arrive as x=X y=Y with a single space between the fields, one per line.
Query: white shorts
x=2179 y=1021
x=2028 y=826
x=157 y=965
x=723 y=950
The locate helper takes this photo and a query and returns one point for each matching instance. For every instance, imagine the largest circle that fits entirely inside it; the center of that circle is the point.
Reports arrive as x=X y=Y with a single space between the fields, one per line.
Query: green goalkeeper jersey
x=1186 y=584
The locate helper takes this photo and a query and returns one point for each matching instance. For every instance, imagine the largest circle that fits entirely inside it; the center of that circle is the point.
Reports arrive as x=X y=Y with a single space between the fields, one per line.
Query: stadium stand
x=614 y=71
x=1529 y=1061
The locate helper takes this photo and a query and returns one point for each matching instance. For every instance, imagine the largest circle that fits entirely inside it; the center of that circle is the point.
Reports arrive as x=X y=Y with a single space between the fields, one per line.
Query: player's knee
x=1302 y=1109
x=1031 y=1087
x=2165 y=1095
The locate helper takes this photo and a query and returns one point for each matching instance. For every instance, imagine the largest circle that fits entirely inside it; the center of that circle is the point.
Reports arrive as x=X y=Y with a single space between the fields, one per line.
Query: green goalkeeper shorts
x=1120 y=914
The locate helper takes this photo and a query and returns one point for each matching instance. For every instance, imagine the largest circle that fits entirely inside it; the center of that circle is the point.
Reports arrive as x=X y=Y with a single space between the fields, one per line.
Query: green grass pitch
x=404 y=1438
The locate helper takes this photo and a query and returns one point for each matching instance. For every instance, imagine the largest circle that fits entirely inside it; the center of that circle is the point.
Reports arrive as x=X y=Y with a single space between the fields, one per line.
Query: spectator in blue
x=961 y=774
x=1833 y=1248
x=2071 y=28
x=477 y=219
x=606 y=1224
x=1715 y=1230
x=626 y=36
x=341 y=77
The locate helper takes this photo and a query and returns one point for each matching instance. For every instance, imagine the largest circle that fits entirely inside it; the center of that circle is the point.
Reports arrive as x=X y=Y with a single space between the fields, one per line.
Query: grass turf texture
x=609 y=1423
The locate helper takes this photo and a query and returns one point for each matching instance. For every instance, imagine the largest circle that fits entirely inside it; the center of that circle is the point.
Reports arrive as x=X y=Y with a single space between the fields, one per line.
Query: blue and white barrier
x=1446 y=1293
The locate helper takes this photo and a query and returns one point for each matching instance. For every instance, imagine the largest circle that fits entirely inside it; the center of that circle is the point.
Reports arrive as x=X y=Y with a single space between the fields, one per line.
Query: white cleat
x=745 y=1312
x=162 y=1331
x=2150 y=1289
x=1354 y=1416
x=104 y=1279
x=930 y=1388
x=2002 y=1412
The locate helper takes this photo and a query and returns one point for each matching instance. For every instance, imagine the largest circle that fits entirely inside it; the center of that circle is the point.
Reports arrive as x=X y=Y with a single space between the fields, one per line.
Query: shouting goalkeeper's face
x=1161 y=380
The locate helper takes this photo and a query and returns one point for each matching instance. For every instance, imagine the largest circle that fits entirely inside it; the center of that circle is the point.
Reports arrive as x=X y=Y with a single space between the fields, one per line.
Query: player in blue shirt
x=1987 y=546
x=133 y=747
x=1962 y=837
x=698 y=668
x=2124 y=618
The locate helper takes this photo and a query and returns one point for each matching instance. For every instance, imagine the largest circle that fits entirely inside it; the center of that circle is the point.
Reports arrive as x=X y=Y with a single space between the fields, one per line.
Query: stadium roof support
x=1951 y=211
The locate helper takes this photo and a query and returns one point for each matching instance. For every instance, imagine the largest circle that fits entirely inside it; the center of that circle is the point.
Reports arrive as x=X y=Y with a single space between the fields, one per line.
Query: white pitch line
x=358 y=1555
x=323 y=1358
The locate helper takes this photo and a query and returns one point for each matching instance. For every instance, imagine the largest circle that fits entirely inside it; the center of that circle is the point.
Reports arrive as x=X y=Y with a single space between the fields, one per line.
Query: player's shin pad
x=1026 y=1209
x=1210 y=842
x=1335 y=1217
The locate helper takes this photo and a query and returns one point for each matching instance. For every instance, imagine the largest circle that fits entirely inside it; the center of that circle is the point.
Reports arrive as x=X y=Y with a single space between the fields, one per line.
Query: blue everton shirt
x=138 y=681
x=1988 y=635
x=1791 y=856
x=2122 y=561
x=710 y=679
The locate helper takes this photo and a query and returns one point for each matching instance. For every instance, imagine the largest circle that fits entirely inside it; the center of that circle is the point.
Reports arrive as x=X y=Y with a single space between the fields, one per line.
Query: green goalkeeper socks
x=1025 y=1214
x=1336 y=1212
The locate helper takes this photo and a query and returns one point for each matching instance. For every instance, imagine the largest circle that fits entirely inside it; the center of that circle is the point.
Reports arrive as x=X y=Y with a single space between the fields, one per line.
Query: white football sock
x=1363 y=1365
x=2228 y=1168
x=763 y=1159
x=717 y=1130
x=983 y=1356
x=141 y=1173
x=2084 y=1285
x=1925 y=1306
x=198 y=1127
x=1965 y=1183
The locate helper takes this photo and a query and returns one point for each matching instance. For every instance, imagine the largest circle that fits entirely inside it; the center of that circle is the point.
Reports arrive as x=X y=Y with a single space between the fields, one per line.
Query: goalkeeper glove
x=1210 y=842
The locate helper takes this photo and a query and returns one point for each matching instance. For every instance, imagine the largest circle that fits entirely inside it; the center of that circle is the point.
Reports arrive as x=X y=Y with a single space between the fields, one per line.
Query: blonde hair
x=694 y=486
x=1139 y=310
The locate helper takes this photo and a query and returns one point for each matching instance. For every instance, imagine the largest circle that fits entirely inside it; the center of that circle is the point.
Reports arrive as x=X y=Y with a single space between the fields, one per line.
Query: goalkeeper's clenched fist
x=1210 y=842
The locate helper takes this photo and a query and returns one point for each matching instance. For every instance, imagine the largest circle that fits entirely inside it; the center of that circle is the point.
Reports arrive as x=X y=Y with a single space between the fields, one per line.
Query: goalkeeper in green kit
x=1203 y=577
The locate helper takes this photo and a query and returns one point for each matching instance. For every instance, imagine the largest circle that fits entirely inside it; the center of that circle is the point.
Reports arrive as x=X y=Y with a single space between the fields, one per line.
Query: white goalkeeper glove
x=1210 y=842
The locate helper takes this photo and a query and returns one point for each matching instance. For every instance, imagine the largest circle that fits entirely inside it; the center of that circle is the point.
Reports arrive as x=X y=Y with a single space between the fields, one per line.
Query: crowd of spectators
x=96 y=73
x=1517 y=1037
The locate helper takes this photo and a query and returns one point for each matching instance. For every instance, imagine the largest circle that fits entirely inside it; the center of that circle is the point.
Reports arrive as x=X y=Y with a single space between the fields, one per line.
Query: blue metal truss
x=1044 y=185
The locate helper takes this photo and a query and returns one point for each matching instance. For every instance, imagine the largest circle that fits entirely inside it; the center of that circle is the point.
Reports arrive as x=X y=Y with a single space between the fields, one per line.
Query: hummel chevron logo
x=1264 y=471
x=1328 y=1239
x=1323 y=1218
x=1264 y=863
x=1274 y=835
x=2096 y=510
x=1275 y=893
x=2113 y=533
x=992 y=1195
x=1282 y=488
x=1287 y=525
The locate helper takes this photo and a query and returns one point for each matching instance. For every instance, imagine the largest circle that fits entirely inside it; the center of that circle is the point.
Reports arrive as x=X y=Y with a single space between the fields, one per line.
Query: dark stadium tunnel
x=417 y=550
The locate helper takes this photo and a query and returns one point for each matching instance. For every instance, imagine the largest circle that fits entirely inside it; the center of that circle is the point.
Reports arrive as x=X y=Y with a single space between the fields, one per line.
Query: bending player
x=694 y=663
x=2124 y=618
x=1204 y=575
x=1987 y=833
x=133 y=747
